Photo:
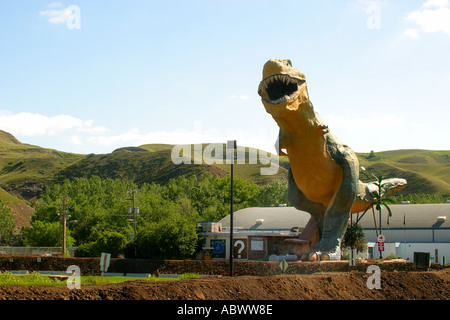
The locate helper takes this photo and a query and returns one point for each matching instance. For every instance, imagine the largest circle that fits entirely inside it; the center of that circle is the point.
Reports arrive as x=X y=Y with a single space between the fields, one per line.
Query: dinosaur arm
x=279 y=145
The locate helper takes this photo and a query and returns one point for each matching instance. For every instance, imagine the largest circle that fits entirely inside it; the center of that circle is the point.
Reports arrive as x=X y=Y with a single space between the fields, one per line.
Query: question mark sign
x=239 y=242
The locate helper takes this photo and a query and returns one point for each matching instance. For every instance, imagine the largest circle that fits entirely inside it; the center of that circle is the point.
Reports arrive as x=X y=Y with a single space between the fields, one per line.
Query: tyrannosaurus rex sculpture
x=324 y=173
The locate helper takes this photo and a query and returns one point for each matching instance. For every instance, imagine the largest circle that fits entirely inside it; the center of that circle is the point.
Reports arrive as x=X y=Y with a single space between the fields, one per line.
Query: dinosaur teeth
x=280 y=88
x=283 y=78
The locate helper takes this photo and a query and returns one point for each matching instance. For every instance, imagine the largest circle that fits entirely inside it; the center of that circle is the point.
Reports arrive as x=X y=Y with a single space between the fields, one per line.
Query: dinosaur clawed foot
x=320 y=256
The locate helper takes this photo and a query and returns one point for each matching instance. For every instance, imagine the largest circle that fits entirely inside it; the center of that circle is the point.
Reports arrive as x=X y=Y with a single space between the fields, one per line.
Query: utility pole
x=62 y=213
x=133 y=211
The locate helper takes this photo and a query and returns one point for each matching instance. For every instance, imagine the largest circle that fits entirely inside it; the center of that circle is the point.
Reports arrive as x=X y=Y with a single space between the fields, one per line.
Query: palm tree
x=379 y=200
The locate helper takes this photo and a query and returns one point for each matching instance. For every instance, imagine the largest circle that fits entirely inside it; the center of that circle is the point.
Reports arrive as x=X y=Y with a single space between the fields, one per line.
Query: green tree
x=94 y=204
x=175 y=238
x=380 y=200
x=354 y=238
x=100 y=206
x=7 y=225
x=109 y=241
x=371 y=155
x=271 y=195
x=210 y=194
x=45 y=234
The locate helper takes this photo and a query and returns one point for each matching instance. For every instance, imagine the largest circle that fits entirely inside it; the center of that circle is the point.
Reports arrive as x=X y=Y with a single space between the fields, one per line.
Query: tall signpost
x=231 y=146
x=381 y=239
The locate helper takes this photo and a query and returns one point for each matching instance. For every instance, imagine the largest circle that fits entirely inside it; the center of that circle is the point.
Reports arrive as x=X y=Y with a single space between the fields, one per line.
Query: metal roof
x=415 y=216
x=285 y=218
x=275 y=218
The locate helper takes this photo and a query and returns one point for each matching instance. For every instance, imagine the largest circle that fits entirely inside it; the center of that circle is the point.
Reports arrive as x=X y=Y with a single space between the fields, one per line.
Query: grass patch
x=36 y=279
x=29 y=279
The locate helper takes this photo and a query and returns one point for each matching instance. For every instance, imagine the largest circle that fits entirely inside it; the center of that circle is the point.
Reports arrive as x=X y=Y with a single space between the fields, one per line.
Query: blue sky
x=93 y=76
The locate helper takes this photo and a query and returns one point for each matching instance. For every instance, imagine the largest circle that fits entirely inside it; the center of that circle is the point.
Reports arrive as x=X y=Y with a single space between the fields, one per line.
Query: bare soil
x=400 y=285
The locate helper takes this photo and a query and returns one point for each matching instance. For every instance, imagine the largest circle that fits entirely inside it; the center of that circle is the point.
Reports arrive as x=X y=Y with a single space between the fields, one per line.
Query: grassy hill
x=25 y=169
x=153 y=163
x=23 y=163
x=426 y=171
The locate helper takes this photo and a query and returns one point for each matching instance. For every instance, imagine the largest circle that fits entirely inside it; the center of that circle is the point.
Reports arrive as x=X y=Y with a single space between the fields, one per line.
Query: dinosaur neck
x=301 y=124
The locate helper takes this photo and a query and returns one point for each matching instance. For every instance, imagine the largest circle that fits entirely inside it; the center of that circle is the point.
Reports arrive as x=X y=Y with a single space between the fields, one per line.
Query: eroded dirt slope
x=430 y=285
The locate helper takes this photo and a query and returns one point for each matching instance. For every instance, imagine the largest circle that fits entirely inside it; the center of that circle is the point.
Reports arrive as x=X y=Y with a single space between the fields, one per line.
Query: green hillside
x=20 y=210
x=153 y=163
x=22 y=163
x=24 y=169
x=426 y=171
x=7 y=198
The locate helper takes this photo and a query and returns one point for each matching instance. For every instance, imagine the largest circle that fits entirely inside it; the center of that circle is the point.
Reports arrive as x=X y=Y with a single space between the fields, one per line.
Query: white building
x=260 y=232
x=412 y=228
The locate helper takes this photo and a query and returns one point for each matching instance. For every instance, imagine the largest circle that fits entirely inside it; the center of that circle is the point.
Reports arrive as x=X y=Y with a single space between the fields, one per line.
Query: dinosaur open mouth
x=280 y=88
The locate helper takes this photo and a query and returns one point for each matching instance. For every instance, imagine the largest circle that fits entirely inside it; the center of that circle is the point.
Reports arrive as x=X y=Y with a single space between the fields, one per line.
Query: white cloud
x=32 y=124
x=411 y=33
x=435 y=3
x=433 y=16
x=135 y=137
x=261 y=138
x=68 y=133
x=75 y=140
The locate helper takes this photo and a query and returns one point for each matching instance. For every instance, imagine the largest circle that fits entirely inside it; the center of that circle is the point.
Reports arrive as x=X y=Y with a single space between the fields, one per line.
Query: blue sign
x=217 y=247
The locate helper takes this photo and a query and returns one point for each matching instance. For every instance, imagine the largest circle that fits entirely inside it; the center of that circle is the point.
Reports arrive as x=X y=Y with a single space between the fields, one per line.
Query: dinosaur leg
x=317 y=211
x=300 y=202
x=336 y=216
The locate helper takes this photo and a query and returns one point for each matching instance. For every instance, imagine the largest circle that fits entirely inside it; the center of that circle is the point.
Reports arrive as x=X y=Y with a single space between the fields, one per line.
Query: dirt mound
x=430 y=285
x=22 y=214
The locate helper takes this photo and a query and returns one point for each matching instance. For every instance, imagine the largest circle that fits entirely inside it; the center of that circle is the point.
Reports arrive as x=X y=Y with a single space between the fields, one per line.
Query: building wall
x=221 y=245
x=406 y=250
x=251 y=247
x=442 y=235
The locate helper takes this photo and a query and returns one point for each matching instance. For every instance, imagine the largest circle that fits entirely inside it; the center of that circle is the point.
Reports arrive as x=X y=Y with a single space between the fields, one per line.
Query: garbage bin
x=422 y=260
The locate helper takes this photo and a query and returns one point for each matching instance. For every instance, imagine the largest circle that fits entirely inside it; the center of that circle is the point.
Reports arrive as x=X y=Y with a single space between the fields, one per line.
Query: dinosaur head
x=283 y=88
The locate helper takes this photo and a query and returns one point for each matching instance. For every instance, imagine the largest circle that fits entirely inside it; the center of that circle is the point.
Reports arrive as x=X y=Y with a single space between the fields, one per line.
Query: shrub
x=109 y=241
x=171 y=238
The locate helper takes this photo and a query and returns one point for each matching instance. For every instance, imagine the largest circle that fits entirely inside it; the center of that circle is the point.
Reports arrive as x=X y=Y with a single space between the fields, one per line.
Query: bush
x=173 y=238
x=354 y=237
x=109 y=241
x=45 y=234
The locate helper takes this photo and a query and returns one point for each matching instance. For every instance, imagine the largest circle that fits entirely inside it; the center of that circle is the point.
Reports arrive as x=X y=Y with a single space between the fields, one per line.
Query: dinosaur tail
x=366 y=197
